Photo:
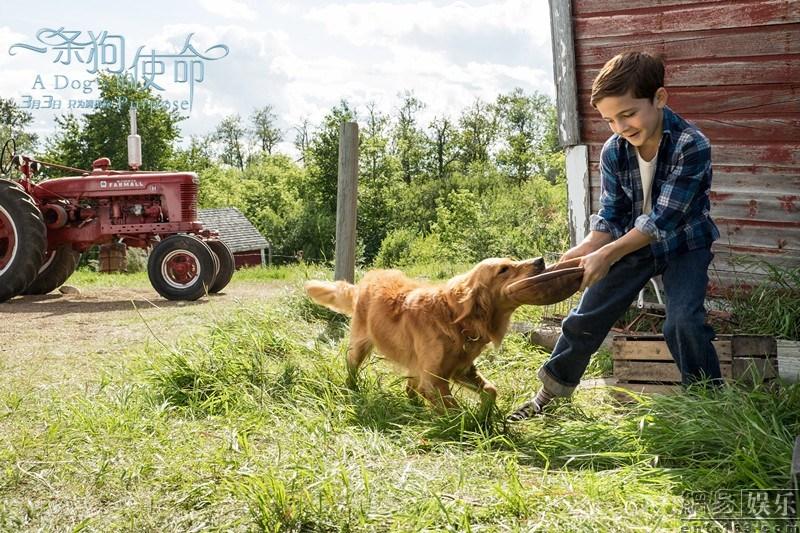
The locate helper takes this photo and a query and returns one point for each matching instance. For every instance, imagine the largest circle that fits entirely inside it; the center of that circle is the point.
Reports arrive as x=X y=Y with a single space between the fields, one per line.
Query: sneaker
x=529 y=409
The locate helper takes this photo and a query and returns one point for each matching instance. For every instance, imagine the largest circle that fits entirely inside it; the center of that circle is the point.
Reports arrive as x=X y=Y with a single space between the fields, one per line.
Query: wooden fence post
x=346 y=202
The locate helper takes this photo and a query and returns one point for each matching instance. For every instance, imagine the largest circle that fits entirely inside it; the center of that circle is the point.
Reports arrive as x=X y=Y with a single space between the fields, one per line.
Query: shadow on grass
x=58 y=304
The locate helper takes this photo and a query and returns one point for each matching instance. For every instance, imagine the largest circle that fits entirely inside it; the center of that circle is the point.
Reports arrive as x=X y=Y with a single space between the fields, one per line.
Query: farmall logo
x=121 y=184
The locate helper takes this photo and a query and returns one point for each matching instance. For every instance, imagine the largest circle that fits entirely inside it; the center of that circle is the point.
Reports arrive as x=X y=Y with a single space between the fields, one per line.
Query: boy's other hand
x=595 y=267
x=593 y=242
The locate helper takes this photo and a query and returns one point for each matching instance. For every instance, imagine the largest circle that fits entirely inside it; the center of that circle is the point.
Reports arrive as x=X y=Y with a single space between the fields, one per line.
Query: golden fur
x=434 y=332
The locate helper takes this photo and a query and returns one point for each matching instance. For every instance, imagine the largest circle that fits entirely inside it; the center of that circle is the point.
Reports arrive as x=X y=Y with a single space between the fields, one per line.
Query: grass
x=250 y=427
x=769 y=305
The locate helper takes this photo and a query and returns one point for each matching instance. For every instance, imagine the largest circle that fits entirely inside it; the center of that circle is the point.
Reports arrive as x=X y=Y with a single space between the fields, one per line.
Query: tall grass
x=769 y=305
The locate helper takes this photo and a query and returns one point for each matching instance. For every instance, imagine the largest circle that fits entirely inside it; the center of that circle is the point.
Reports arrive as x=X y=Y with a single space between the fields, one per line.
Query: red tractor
x=45 y=226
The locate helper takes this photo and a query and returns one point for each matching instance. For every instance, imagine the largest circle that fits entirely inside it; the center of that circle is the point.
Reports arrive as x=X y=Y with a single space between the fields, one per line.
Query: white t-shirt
x=647 y=169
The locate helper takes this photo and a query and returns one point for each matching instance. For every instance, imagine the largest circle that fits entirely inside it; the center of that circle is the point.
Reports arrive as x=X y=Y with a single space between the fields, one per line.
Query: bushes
x=513 y=221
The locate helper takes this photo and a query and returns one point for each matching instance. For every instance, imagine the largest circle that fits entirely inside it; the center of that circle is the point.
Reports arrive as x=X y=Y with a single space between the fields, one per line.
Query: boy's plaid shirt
x=680 y=219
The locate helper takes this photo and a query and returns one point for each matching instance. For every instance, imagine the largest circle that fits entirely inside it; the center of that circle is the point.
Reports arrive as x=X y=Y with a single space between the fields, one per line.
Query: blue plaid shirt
x=680 y=219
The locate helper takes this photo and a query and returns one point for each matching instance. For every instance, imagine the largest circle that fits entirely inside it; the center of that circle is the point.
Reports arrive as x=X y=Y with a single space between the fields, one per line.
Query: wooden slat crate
x=795 y=475
x=643 y=363
x=789 y=360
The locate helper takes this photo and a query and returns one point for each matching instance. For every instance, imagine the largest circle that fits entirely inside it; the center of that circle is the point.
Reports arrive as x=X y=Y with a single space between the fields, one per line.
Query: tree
x=477 y=133
x=319 y=187
x=375 y=160
x=525 y=123
x=301 y=139
x=14 y=123
x=197 y=157
x=442 y=148
x=104 y=132
x=375 y=186
x=264 y=131
x=323 y=157
x=230 y=134
x=408 y=139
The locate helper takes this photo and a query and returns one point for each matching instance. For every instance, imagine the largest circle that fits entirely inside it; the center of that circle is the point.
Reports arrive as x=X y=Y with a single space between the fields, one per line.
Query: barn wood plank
x=657 y=350
x=564 y=70
x=658 y=371
x=706 y=72
x=696 y=17
x=582 y=8
x=739 y=153
x=723 y=101
x=727 y=128
x=689 y=46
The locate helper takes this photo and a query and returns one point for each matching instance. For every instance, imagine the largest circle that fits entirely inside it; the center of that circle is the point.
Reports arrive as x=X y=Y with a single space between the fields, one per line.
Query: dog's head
x=480 y=298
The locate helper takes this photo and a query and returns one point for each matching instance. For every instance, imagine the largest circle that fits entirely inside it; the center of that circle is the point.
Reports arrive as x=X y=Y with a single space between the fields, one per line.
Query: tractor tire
x=227 y=265
x=181 y=267
x=23 y=240
x=58 y=266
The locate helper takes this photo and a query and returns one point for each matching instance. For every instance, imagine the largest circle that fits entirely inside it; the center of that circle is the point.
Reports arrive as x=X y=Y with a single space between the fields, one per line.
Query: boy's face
x=638 y=120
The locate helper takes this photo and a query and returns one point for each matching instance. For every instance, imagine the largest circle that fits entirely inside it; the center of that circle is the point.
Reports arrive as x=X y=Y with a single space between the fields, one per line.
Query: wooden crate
x=643 y=363
x=795 y=475
x=789 y=360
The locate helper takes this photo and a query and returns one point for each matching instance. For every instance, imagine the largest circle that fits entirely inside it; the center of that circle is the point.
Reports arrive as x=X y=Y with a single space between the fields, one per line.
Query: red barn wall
x=247 y=259
x=733 y=68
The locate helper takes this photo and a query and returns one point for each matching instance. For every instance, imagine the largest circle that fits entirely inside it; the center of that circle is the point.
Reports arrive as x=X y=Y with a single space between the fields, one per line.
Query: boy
x=653 y=219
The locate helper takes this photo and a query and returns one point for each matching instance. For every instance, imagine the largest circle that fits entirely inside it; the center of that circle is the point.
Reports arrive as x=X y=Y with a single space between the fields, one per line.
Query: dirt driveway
x=62 y=340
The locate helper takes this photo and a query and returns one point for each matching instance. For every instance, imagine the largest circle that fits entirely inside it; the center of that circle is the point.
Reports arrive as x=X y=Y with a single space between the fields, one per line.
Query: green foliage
x=104 y=132
x=529 y=139
x=230 y=139
x=408 y=140
x=478 y=131
x=14 y=123
x=769 y=305
x=396 y=248
x=197 y=157
x=458 y=225
x=264 y=131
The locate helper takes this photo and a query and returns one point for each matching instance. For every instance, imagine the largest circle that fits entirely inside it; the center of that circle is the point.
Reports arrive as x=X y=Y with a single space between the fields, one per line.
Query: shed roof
x=234 y=229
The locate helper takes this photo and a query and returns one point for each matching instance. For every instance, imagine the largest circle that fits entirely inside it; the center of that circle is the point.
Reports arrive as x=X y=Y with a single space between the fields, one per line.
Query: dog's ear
x=470 y=301
x=459 y=297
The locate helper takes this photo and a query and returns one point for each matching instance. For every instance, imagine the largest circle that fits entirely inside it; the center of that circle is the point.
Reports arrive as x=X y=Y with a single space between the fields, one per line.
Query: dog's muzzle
x=558 y=282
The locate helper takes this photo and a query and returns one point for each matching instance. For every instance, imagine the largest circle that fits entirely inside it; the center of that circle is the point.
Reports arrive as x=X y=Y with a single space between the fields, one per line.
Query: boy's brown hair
x=640 y=73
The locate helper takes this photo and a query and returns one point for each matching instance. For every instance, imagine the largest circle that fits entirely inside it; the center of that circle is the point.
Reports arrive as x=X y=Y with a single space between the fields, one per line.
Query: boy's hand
x=595 y=267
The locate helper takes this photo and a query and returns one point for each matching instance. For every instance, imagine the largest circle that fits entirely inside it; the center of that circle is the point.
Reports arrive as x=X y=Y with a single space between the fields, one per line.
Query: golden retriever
x=435 y=332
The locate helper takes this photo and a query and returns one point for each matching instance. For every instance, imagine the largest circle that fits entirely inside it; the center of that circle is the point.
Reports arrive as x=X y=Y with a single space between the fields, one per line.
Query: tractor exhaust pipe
x=134 y=144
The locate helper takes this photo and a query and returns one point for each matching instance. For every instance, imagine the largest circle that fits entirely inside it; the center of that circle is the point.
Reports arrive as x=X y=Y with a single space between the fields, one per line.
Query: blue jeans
x=688 y=337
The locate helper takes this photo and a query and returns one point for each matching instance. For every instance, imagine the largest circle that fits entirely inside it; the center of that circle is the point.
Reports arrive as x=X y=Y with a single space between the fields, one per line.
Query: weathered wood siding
x=733 y=68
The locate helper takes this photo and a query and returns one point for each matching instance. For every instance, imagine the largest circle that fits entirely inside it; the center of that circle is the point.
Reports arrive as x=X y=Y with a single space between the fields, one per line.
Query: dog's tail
x=337 y=295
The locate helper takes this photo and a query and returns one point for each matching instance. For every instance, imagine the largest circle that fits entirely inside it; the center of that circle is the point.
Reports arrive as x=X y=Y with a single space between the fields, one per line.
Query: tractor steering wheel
x=6 y=161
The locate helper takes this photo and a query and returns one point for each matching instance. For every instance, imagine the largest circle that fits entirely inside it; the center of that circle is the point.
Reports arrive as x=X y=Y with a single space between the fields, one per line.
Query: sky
x=302 y=57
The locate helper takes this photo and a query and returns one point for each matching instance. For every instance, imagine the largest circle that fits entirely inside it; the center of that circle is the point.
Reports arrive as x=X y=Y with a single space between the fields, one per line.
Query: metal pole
x=346 y=202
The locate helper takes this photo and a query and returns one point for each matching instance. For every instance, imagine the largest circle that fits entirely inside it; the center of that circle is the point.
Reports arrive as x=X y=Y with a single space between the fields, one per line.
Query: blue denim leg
x=585 y=328
x=685 y=279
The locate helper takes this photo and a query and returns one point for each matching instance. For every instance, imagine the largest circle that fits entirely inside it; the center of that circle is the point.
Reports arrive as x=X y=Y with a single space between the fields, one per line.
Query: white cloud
x=232 y=9
x=382 y=23
x=303 y=60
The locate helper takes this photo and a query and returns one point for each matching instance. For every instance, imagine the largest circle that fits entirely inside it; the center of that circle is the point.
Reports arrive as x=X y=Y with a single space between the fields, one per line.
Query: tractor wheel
x=181 y=267
x=227 y=265
x=59 y=264
x=22 y=240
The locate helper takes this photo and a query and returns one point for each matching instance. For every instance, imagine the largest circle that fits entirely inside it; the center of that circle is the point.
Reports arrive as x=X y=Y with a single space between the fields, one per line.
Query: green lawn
x=249 y=427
